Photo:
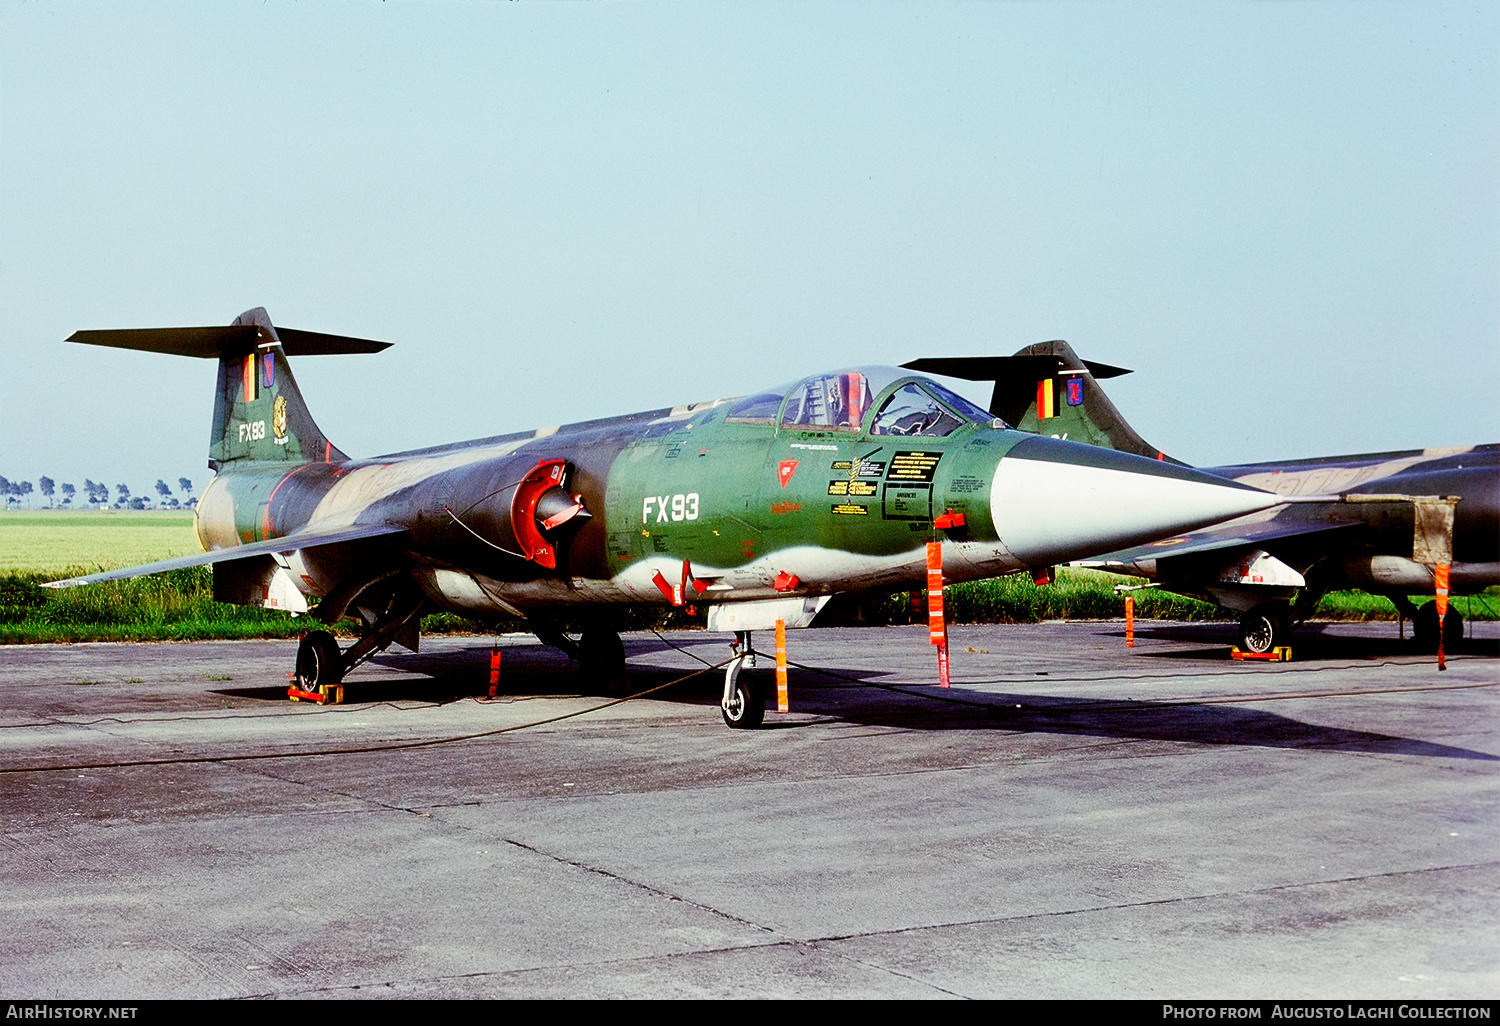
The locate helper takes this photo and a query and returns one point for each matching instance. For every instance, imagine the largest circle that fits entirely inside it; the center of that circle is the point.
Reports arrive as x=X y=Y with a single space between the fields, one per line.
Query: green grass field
x=42 y=545
x=49 y=541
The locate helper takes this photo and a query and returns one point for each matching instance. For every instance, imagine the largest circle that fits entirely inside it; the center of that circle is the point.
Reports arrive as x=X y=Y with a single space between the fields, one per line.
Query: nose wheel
x=743 y=704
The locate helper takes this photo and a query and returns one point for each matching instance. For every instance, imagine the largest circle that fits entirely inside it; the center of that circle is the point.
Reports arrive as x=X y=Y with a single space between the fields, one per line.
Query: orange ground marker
x=783 y=704
x=1440 y=585
x=937 y=628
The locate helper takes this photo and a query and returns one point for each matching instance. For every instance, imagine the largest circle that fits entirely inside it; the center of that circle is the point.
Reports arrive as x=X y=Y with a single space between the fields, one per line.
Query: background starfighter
x=759 y=508
x=1385 y=521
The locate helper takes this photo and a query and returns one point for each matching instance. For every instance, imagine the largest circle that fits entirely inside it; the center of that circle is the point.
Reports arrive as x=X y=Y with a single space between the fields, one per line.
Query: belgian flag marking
x=250 y=376
x=1045 y=400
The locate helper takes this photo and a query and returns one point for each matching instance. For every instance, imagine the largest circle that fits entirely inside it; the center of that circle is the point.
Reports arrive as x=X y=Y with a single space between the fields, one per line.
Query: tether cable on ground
x=906 y=689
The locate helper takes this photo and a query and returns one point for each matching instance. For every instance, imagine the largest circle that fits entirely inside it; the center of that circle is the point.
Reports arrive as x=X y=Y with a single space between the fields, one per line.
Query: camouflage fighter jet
x=758 y=508
x=1378 y=522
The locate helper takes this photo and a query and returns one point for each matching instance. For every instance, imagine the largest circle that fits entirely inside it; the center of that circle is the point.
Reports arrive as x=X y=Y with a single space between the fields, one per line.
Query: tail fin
x=259 y=414
x=1047 y=390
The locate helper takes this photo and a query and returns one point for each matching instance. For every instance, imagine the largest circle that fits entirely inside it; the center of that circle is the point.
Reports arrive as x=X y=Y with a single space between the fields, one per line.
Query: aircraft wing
x=1223 y=538
x=306 y=539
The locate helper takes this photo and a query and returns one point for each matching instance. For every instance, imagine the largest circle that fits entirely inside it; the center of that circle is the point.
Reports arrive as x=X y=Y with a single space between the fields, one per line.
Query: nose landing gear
x=743 y=704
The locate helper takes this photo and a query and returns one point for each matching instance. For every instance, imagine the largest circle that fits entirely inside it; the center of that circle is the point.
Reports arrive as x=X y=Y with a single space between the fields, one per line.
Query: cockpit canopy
x=846 y=400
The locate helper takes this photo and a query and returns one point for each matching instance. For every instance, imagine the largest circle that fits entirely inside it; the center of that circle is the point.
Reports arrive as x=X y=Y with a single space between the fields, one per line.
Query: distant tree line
x=96 y=495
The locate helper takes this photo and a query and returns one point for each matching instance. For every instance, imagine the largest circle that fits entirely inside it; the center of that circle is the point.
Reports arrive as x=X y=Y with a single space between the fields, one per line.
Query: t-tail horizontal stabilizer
x=259 y=413
x=1047 y=390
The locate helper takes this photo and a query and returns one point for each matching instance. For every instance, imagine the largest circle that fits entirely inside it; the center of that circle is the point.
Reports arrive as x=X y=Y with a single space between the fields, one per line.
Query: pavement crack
x=886 y=970
x=606 y=963
x=1152 y=903
x=643 y=887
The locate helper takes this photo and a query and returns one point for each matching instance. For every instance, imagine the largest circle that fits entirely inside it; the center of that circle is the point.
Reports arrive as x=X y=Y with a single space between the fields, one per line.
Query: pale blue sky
x=1284 y=215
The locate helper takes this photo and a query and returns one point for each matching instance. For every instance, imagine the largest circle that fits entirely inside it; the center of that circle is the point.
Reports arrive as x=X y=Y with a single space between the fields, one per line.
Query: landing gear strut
x=599 y=653
x=601 y=659
x=386 y=617
x=743 y=704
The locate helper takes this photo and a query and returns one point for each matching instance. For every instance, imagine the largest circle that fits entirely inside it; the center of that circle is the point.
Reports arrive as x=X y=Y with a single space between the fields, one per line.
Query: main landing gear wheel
x=1262 y=629
x=1424 y=627
x=601 y=660
x=320 y=664
x=745 y=709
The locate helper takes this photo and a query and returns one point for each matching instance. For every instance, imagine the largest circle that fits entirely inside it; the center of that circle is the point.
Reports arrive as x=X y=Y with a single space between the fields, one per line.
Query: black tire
x=1262 y=629
x=747 y=706
x=1424 y=628
x=601 y=661
x=1453 y=630
x=320 y=664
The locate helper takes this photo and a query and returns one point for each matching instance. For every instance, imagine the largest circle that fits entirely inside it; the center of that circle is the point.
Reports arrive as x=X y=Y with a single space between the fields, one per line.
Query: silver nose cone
x=1054 y=501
